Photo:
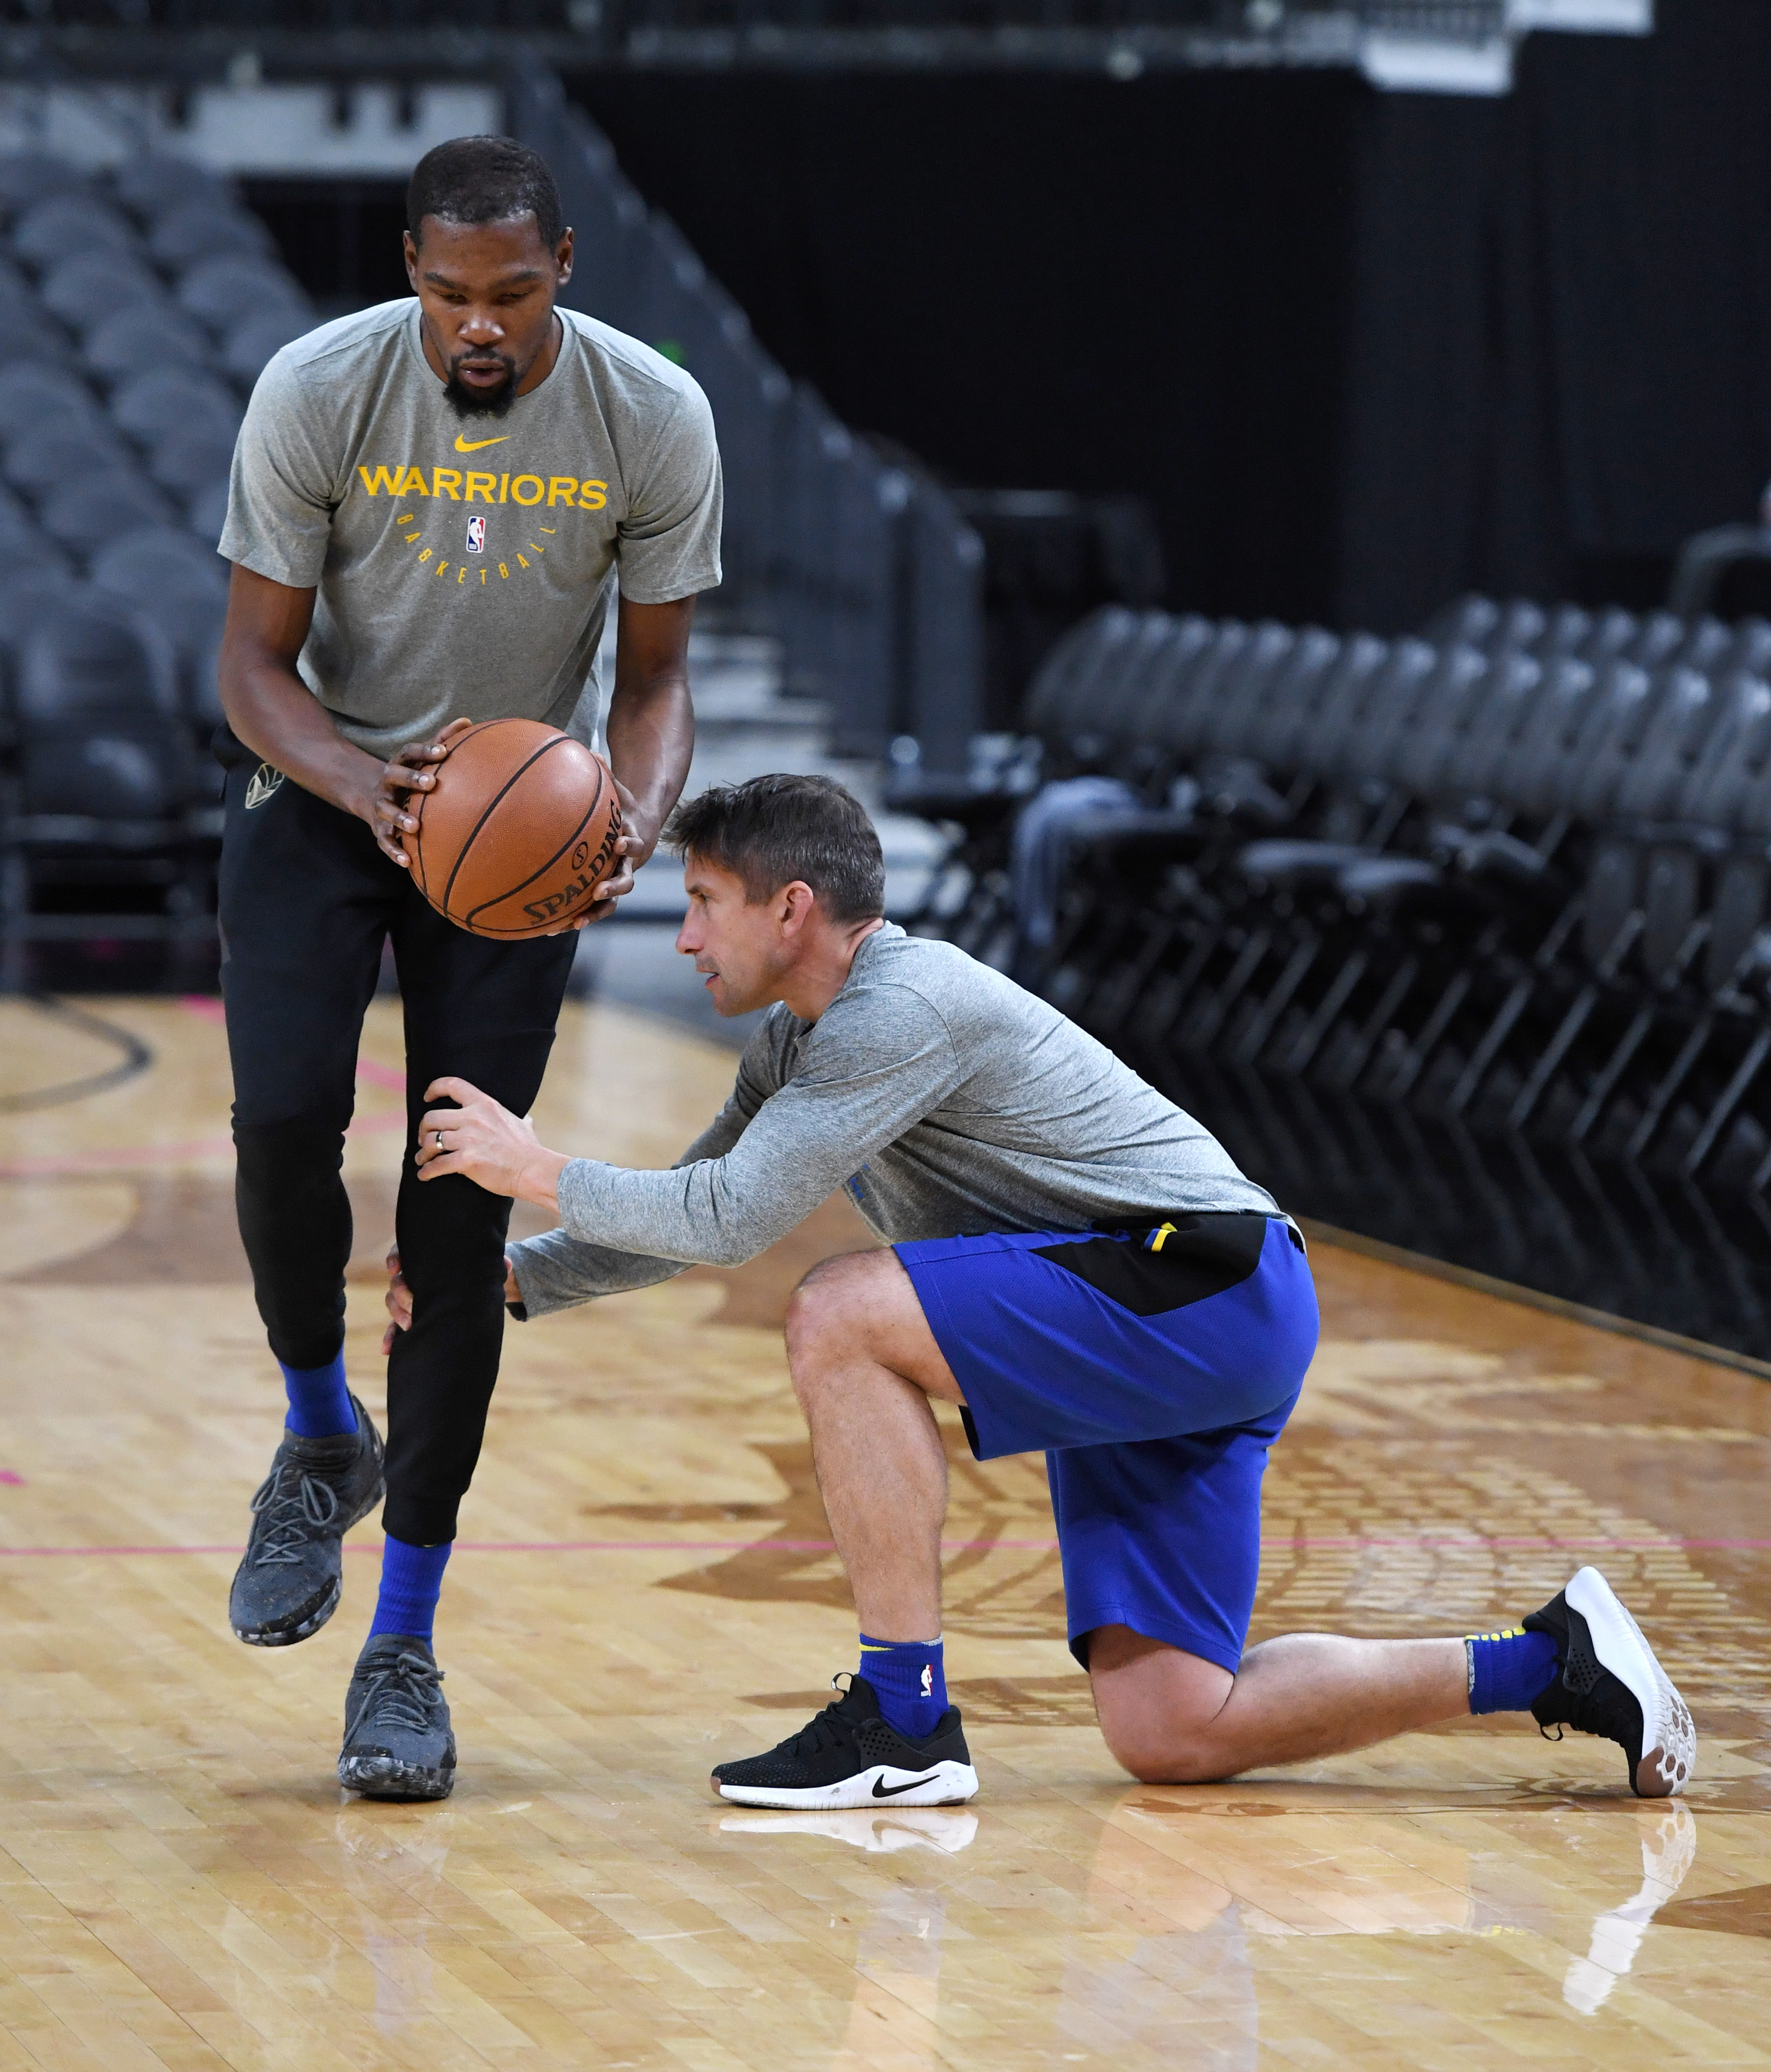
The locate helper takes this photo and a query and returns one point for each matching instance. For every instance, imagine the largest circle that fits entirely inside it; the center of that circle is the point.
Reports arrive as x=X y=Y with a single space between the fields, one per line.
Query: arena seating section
x=1512 y=872
x=143 y=307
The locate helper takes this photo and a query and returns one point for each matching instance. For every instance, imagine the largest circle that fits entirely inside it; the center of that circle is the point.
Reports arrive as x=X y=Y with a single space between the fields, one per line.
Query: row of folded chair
x=109 y=799
x=143 y=309
x=1515 y=868
x=144 y=304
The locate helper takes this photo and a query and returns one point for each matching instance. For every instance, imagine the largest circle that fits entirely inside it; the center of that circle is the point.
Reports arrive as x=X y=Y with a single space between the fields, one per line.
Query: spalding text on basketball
x=590 y=869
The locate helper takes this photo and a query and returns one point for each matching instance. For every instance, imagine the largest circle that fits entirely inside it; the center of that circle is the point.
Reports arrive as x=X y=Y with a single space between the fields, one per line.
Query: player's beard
x=468 y=402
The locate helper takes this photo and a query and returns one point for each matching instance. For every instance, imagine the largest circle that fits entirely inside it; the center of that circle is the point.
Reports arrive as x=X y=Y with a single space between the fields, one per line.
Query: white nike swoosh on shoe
x=946 y=1784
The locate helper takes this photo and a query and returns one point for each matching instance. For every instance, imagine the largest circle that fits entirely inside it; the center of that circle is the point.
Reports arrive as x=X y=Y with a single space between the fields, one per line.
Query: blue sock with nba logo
x=909 y=1680
x=1509 y=1669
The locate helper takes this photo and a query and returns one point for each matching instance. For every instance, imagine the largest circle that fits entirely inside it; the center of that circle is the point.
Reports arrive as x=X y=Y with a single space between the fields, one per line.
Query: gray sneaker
x=397 y=1742
x=287 y=1586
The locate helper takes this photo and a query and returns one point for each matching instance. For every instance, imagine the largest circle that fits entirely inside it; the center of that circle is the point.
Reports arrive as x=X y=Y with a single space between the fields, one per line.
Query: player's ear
x=562 y=258
x=797 y=900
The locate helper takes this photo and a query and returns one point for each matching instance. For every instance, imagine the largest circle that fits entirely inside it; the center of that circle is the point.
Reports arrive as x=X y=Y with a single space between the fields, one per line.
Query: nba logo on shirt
x=476 y=536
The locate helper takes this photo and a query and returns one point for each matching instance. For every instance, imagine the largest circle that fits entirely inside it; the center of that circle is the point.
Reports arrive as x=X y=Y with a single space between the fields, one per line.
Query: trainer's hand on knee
x=399 y=1297
x=399 y=1301
x=390 y=801
x=487 y=1145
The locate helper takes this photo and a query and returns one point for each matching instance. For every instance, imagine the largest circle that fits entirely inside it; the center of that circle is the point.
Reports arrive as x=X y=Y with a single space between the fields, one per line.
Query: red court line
x=1660 y=1546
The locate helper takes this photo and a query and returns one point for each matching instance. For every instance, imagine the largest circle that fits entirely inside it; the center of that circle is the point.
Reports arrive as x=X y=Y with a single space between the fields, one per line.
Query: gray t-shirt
x=462 y=563
x=947 y=1100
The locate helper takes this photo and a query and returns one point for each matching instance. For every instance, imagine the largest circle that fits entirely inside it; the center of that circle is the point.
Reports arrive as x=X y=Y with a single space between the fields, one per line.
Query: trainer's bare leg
x=1174 y=1718
x=864 y=1364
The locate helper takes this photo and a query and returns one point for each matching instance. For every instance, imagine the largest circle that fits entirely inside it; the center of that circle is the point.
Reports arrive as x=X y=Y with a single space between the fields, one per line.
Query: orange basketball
x=520 y=829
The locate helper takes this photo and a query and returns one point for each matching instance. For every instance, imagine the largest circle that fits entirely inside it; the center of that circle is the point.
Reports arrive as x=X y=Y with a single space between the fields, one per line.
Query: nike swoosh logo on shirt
x=882 y=1791
x=474 y=445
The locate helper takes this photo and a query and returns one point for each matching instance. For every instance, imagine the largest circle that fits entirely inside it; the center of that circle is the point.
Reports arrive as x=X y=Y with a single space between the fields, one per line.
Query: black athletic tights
x=306 y=900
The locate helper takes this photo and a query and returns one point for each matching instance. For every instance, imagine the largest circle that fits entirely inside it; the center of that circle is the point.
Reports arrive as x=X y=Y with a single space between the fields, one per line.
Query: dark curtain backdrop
x=1040 y=283
x=1361 y=351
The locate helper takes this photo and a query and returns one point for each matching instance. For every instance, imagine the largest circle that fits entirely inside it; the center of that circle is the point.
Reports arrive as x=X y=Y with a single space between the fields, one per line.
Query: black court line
x=136 y=1059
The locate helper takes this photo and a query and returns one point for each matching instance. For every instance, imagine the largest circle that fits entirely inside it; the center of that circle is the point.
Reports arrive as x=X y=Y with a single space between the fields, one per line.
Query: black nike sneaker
x=397 y=1740
x=849 y=1756
x=1609 y=1683
x=288 y=1584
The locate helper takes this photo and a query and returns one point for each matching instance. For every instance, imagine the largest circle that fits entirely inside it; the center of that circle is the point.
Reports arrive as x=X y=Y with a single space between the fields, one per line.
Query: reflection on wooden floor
x=644 y=1589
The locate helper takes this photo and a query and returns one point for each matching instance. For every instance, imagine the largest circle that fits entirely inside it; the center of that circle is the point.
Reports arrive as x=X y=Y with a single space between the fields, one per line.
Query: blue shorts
x=1154 y=1366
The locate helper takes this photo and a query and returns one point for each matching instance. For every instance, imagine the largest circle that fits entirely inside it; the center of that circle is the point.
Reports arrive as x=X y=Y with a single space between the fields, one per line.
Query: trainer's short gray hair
x=771 y=831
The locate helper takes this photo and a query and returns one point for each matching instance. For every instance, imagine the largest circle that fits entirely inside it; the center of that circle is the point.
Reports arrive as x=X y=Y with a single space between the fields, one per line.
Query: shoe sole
x=380 y=1777
x=281 y=1636
x=1668 y=1757
x=947 y=1784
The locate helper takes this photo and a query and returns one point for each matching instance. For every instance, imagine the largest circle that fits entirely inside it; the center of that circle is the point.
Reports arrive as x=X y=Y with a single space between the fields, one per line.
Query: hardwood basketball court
x=645 y=1586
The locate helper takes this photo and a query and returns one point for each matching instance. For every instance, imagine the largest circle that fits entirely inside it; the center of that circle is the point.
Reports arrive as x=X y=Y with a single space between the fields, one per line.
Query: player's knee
x=825 y=1313
x=1157 y=1761
x=1159 y=1708
x=1157 y=1751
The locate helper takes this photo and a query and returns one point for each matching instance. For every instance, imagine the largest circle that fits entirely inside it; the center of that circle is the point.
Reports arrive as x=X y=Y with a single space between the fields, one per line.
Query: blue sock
x=909 y=1680
x=411 y=1584
x=319 y=1404
x=1509 y=1669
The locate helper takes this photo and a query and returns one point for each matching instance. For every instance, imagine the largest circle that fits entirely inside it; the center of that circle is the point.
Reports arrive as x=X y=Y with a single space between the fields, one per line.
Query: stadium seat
x=23 y=307
x=89 y=660
x=187 y=467
x=85 y=515
x=31 y=597
x=225 y=292
x=18 y=533
x=85 y=290
x=146 y=564
x=172 y=401
x=141 y=777
x=49 y=230
x=250 y=344
x=208 y=513
x=26 y=177
x=169 y=578
x=135 y=340
x=206 y=228
x=34 y=397
x=154 y=185
x=203 y=689
x=191 y=622
x=41 y=461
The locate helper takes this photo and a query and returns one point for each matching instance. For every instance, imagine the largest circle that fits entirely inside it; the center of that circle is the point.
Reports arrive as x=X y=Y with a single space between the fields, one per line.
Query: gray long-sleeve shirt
x=947 y=1100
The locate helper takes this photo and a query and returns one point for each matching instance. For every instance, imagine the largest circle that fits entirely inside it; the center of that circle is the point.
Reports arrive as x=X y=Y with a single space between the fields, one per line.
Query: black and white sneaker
x=849 y=1756
x=288 y=1584
x=1610 y=1683
x=398 y=1743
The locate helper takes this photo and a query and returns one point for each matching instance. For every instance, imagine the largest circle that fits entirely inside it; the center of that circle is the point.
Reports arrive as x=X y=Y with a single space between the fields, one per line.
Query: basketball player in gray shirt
x=432 y=503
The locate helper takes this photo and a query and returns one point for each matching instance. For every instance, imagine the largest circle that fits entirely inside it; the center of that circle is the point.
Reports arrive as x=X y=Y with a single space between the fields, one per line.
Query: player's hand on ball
x=399 y=1297
x=634 y=845
x=486 y=1144
x=390 y=814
